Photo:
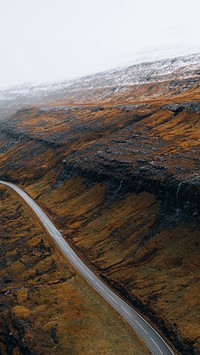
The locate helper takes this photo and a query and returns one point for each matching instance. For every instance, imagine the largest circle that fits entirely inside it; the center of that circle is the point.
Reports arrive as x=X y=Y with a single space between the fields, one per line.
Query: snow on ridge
x=136 y=74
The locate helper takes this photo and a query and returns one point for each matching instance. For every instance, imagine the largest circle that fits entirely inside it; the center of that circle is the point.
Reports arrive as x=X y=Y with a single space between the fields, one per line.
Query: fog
x=50 y=40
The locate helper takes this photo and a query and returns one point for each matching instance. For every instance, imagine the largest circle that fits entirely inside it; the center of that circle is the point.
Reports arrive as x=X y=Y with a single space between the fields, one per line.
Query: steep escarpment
x=119 y=175
x=146 y=147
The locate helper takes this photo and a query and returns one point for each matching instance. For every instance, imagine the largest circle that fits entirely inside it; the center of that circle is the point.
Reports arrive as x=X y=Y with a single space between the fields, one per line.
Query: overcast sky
x=49 y=40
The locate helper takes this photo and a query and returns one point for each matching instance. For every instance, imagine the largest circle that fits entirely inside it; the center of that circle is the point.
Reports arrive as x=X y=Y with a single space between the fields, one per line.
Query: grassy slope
x=46 y=308
x=149 y=256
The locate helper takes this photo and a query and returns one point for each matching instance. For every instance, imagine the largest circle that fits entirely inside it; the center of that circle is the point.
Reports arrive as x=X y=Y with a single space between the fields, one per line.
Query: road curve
x=149 y=335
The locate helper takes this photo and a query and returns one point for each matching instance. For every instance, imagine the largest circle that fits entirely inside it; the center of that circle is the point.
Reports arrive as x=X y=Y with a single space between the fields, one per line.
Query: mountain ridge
x=156 y=66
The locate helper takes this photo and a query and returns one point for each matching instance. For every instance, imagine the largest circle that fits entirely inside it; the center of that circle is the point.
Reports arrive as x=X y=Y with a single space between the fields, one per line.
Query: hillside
x=46 y=307
x=114 y=159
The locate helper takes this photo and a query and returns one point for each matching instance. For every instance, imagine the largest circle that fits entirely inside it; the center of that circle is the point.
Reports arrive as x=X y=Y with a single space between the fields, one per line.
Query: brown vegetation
x=46 y=307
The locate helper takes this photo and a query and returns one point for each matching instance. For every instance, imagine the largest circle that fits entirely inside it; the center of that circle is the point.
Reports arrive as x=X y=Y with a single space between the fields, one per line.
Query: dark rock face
x=187 y=106
x=142 y=145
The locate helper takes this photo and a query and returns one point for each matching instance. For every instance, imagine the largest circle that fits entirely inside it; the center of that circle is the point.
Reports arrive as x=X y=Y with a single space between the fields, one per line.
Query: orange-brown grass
x=162 y=273
x=46 y=307
x=159 y=91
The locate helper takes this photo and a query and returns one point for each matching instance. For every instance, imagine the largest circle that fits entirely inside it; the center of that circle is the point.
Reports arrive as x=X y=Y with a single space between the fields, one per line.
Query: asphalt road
x=152 y=339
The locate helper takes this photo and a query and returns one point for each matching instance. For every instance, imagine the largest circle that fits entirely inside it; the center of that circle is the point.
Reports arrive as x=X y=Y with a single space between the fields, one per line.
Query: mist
x=51 y=40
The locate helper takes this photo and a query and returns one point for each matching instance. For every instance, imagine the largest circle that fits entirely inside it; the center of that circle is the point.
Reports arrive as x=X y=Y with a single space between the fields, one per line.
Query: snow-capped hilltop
x=144 y=72
x=116 y=80
x=136 y=73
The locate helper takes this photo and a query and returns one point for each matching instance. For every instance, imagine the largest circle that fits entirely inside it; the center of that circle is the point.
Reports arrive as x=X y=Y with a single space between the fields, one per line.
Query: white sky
x=49 y=40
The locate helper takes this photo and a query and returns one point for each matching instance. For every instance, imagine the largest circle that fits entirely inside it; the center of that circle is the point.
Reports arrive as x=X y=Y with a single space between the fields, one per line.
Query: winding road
x=153 y=340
